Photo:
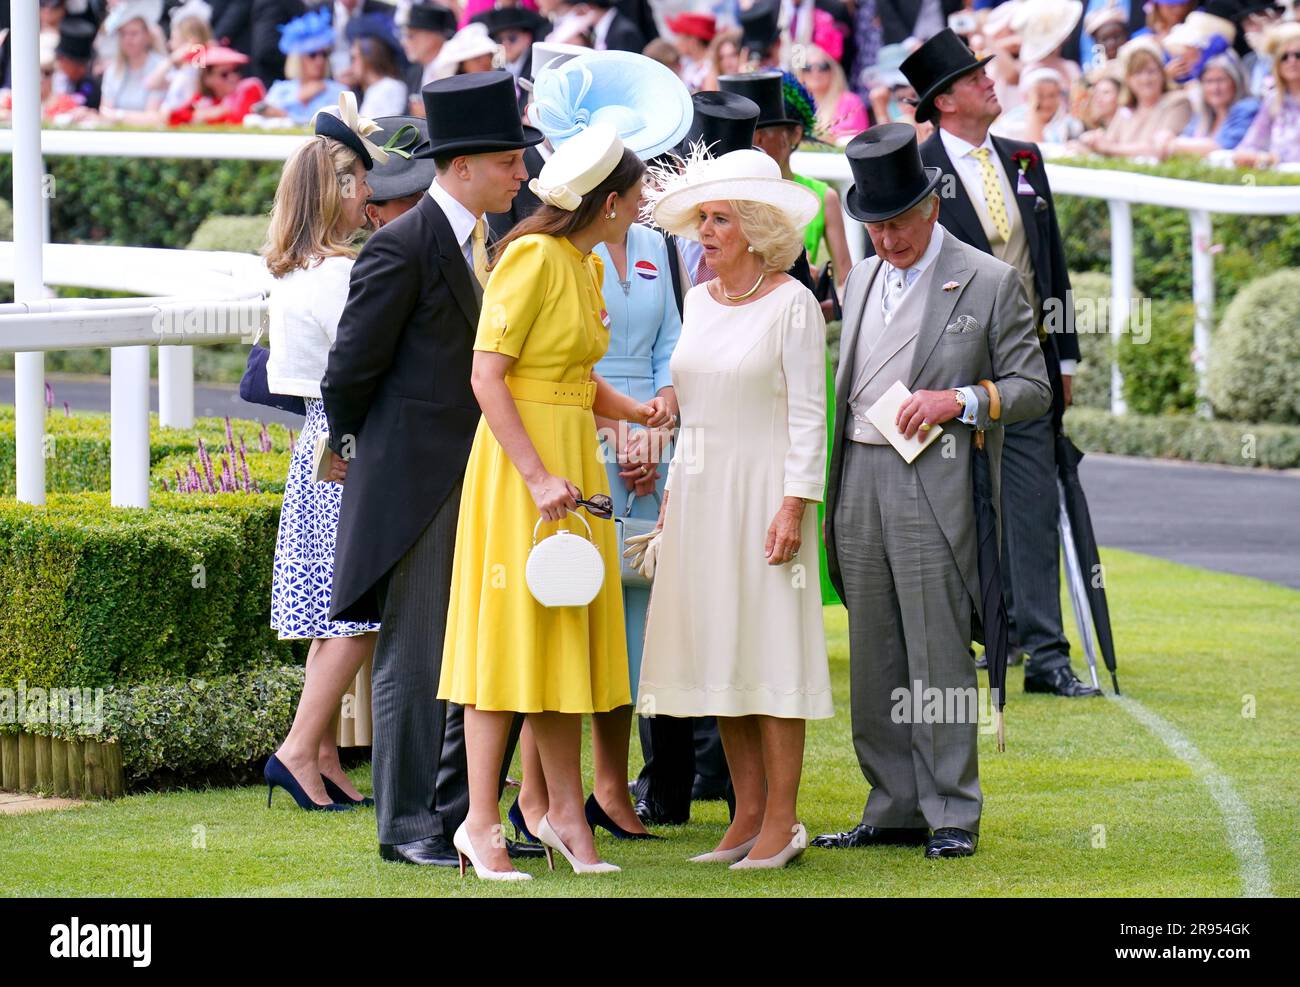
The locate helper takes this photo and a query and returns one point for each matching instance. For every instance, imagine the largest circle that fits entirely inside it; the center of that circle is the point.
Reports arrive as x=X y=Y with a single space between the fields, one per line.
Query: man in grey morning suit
x=942 y=318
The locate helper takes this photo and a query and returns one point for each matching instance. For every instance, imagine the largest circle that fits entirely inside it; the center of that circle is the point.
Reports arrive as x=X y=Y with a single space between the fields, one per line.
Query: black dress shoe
x=432 y=851
x=950 y=842
x=519 y=850
x=1014 y=657
x=864 y=835
x=653 y=811
x=1059 y=682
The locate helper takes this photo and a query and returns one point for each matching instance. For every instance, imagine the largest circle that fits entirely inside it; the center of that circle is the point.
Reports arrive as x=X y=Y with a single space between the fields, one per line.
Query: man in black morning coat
x=401 y=412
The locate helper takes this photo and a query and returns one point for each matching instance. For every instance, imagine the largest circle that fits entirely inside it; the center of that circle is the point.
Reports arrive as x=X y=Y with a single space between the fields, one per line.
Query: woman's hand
x=640 y=472
x=554 y=496
x=655 y=413
x=783 y=536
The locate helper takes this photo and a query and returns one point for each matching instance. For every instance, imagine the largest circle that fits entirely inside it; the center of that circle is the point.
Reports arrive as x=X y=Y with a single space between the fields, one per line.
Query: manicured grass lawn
x=1194 y=646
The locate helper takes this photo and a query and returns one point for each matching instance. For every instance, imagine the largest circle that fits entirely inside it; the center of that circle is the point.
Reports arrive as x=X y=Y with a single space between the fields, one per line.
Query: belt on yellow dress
x=580 y=395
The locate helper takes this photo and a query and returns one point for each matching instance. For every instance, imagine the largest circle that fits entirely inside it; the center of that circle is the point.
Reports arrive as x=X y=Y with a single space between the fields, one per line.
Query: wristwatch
x=960 y=398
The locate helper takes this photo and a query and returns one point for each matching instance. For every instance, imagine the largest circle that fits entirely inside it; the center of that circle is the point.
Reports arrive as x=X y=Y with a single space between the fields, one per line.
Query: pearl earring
x=750 y=249
x=611 y=214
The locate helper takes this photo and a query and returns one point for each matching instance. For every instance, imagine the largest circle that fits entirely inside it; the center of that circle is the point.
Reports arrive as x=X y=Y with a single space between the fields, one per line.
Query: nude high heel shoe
x=465 y=851
x=781 y=858
x=551 y=840
x=726 y=856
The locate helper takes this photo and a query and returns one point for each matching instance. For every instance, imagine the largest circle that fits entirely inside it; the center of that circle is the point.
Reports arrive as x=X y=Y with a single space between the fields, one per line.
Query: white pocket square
x=963 y=323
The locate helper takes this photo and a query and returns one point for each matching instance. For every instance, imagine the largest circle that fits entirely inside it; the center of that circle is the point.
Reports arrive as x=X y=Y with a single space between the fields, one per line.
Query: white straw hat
x=1047 y=25
x=470 y=41
x=747 y=175
x=577 y=166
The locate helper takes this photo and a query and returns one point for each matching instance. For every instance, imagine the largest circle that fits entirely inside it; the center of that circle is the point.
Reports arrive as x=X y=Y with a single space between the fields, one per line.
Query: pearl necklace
x=741 y=297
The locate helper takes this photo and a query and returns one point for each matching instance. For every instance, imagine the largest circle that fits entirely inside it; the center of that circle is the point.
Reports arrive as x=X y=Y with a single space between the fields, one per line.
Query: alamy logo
x=75 y=941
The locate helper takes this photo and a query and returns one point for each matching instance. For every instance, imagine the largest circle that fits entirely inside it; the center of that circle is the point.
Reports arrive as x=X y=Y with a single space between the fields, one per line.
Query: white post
x=1203 y=297
x=176 y=386
x=1121 y=293
x=129 y=426
x=29 y=277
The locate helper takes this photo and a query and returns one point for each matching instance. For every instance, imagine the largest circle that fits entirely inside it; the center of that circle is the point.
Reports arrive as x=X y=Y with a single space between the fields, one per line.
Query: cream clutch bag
x=564 y=569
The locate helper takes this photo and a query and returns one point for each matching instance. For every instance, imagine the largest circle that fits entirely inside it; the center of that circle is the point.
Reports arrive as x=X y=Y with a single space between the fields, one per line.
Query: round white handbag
x=564 y=569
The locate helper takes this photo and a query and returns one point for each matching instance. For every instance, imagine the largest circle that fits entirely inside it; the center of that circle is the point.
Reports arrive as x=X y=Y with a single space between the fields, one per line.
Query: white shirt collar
x=601 y=29
x=927 y=258
x=959 y=147
x=461 y=219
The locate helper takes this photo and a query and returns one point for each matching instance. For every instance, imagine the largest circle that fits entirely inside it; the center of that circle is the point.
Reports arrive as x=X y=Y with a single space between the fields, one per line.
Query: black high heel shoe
x=596 y=816
x=276 y=773
x=516 y=817
x=342 y=798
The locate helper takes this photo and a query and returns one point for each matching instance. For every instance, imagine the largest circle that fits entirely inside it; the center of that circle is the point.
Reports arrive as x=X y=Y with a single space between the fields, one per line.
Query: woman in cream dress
x=735 y=622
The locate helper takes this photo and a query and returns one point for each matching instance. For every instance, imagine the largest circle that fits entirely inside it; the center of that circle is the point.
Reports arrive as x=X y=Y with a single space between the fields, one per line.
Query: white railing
x=59 y=328
x=1121 y=190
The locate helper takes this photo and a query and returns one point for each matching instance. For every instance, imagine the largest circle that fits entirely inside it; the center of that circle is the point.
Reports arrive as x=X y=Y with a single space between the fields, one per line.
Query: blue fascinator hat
x=310 y=32
x=643 y=100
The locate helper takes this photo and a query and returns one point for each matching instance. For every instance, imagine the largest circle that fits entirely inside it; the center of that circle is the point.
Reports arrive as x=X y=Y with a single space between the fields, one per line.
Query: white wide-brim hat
x=470 y=41
x=577 y=167
x=747 y=175
x=1047 y=25
x=643 y=100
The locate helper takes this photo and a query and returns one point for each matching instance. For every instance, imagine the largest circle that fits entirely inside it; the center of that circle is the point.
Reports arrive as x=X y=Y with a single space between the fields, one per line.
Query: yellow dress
x=504 y=650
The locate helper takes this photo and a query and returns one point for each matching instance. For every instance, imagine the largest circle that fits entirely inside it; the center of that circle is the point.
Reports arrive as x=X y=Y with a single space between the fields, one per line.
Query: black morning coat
x=1038 y=214
x=398 y=383
x=1046 y=251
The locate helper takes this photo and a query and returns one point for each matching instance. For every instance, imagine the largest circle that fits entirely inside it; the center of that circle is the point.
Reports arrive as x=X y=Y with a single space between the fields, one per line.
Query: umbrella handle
x=1000 y=719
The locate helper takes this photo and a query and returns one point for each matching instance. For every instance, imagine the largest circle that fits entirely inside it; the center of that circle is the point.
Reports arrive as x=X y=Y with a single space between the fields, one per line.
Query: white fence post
x=29 y=221
x=129 y=426
x=176 y=386
x=1121 y=293
x=1203 y=297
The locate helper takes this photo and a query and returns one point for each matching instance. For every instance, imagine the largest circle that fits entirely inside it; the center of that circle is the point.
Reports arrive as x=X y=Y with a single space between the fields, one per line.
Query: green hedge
x=1162 y=246
x=97 y=596
x=1255 y=368
x=173 y=731
x=1185 y=437
x=243 y=234
x=77 y=449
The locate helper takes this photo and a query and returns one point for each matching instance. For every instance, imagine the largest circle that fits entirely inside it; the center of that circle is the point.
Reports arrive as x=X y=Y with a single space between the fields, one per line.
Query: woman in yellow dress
x=536 y=453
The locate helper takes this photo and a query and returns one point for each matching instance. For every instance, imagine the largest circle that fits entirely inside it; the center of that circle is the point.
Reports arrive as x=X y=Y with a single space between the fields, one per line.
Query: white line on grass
x=1243 y=838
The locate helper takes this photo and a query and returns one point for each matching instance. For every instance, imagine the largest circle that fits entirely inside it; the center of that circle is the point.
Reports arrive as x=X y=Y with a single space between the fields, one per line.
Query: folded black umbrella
x=1087 y=591
x=994 y=624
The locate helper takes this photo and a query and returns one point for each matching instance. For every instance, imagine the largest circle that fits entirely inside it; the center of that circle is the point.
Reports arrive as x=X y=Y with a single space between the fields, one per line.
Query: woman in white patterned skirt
x=319 y=207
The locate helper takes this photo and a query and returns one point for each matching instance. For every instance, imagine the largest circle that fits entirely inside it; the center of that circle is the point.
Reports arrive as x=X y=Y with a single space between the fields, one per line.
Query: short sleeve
x=513 y=298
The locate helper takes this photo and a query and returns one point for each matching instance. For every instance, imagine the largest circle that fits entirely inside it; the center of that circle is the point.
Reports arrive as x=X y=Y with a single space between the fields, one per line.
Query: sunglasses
x=316 y=54
x=599 y=505
x=1286 y=56
x=818 y=67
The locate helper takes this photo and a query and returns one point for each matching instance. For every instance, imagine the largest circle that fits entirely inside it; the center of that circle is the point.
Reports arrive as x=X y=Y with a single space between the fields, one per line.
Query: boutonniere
x=1024 y=160
x=951 y=286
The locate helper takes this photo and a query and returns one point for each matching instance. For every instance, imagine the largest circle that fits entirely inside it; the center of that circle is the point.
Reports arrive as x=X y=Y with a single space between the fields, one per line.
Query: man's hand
x=338 y=470
x=926 y=408
x=1067 y=389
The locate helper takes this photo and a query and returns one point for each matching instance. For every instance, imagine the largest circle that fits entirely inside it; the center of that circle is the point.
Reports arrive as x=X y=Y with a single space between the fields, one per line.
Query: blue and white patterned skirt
x=304 y=548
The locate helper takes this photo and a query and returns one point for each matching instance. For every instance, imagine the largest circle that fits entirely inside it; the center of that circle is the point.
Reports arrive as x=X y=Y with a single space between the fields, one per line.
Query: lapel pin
x=951 y=286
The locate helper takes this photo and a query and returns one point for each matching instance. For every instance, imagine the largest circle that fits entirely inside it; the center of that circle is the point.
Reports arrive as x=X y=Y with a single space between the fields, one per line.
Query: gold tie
x=480 y=252
x=993 y=200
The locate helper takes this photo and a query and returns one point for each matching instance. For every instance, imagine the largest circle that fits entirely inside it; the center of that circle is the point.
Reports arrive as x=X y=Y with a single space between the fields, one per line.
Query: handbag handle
x=541 y=520
x=631 y=499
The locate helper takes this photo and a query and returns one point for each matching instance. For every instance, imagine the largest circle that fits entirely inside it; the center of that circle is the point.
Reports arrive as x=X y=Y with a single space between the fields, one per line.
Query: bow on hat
x=558 y=111
x=359 y=125
x=561 y=197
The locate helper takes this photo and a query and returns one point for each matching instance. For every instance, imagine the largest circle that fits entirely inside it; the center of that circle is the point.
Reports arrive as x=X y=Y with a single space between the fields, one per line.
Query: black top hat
x=759 y=25
x=723 y=122
x=888 y=175
x=935 y=66
x=431 y=17
x=76 y=40
x=401 y=176
x=765 y=89
x=513 y=19
x=475 y=113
